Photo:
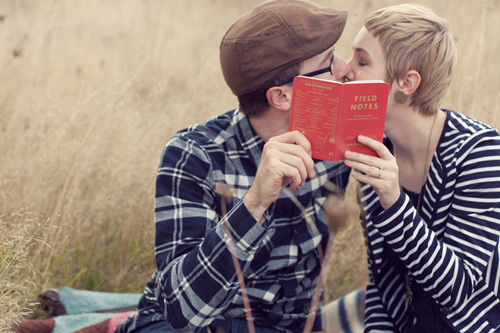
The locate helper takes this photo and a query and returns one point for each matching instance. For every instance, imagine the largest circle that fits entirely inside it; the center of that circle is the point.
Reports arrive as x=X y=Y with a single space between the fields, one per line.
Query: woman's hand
x=380 y=172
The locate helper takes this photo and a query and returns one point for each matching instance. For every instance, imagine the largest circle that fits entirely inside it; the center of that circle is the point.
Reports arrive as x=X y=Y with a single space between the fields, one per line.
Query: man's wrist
x=254 y=208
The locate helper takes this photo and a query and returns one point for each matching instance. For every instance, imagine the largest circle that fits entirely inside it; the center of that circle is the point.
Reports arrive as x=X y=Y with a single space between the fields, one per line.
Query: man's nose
x=342 y=69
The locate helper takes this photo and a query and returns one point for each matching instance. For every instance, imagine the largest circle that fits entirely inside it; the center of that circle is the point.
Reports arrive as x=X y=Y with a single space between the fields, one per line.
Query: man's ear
x=280 y=97
x=410 y=82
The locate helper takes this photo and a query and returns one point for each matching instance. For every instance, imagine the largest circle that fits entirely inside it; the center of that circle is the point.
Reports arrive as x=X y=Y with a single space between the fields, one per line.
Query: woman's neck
x=414 y=136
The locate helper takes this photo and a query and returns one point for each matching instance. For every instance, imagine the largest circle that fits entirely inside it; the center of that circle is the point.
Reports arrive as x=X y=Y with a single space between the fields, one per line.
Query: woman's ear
x=410 y=82
x=280 y=97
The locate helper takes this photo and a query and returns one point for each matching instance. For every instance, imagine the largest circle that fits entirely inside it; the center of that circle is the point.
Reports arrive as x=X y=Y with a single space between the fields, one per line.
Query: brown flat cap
x=273 y=36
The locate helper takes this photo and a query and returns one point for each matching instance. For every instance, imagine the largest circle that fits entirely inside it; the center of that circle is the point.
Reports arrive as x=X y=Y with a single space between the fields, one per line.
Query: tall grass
x=19 y=232
x=90 y=92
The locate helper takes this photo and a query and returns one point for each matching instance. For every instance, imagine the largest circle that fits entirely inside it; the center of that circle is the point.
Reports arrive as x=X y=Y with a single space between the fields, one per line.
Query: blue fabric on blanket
x=85 y=301
x=72 y=323
x=344 y=322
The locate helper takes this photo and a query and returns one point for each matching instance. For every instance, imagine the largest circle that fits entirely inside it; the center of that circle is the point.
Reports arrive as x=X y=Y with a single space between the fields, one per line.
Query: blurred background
x=91 y=91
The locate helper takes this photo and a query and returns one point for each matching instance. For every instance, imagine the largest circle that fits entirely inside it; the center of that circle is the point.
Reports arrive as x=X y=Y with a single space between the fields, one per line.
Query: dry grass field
x=90 y=92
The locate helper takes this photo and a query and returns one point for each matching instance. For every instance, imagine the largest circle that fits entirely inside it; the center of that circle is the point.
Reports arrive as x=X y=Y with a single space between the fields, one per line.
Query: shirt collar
x=251 y=142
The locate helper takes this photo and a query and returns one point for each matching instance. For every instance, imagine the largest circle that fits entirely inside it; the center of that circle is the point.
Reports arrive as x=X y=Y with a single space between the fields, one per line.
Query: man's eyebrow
x=328 y=56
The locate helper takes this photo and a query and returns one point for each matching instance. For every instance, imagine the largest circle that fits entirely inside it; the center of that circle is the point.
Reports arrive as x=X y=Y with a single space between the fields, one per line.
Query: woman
x=431 y=200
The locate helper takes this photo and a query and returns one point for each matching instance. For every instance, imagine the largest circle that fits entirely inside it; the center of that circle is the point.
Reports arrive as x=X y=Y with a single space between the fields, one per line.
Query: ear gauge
x=400 y=97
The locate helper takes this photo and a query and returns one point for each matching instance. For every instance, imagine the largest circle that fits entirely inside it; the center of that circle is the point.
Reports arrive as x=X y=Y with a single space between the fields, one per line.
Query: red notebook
x=332 y=114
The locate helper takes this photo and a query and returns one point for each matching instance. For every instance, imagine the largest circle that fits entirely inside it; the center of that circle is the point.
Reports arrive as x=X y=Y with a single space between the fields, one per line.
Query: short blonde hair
x=414 y=38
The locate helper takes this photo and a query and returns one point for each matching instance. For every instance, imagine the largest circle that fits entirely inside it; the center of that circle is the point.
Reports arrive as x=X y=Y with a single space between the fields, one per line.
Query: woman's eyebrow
x=360 y=49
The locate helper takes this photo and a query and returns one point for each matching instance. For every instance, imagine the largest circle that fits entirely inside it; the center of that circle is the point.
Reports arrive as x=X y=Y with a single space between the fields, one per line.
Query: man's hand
x=285 y=160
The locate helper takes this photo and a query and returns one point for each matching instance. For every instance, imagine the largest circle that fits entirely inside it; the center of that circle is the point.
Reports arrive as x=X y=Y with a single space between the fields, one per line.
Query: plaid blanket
x=346 y=314
x=82 y=311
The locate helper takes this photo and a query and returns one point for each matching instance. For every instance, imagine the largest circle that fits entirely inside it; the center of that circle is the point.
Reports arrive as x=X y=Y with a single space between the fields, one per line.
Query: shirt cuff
x=246 y=233
x=384 y=215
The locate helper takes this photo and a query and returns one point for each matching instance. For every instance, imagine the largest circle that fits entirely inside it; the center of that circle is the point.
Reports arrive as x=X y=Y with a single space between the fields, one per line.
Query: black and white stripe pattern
x=452 y=246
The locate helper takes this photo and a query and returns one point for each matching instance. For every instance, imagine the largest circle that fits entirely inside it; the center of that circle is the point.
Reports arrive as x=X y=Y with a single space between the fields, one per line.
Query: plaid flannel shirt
x=195 y=282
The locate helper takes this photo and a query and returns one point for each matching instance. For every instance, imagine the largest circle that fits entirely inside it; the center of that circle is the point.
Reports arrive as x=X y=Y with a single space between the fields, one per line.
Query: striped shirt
x=195 y=282
x=451 y=247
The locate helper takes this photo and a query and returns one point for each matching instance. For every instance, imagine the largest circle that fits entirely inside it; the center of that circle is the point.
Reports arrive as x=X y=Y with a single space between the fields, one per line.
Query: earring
x=400 y=97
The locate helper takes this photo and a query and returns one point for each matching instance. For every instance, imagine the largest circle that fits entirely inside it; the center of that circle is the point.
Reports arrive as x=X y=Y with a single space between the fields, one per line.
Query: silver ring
x=380 y=171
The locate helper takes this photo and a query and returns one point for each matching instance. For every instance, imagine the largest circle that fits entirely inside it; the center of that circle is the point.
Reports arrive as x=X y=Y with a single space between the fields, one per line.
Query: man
x=249 y=149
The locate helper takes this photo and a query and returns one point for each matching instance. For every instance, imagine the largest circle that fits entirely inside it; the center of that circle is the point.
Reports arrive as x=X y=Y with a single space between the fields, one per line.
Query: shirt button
x=446 y=310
